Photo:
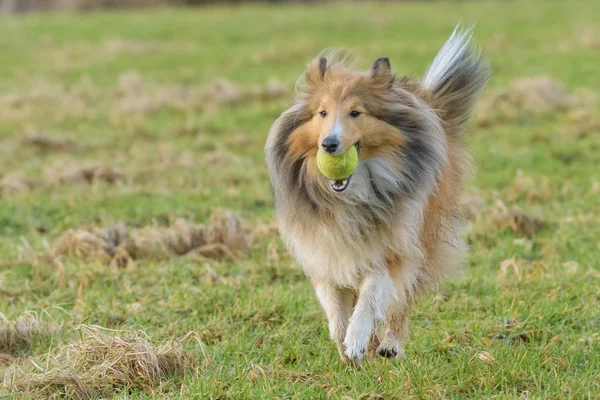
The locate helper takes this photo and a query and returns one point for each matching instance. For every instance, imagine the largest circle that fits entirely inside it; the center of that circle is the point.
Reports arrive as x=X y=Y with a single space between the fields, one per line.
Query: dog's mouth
x=339 y=185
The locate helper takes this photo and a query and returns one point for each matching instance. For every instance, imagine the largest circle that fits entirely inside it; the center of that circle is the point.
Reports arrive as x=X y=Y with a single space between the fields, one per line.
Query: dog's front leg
x=337 y=303
x=375 y=295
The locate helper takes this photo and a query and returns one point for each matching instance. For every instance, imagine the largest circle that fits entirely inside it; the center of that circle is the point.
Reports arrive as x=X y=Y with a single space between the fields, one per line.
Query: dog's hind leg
x=396 y=332
x=337 y=304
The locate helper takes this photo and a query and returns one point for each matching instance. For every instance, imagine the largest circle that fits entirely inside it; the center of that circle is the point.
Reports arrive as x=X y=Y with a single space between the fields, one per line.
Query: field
x=131 y=150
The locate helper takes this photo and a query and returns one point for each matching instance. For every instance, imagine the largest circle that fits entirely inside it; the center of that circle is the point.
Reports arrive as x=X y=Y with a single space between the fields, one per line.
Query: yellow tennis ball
x=340 y=166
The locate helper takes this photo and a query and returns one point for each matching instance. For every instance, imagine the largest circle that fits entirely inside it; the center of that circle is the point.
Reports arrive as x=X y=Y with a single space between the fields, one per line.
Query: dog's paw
x=355 y=354
x=391 y=350
x=356 y=342
x=387 y=353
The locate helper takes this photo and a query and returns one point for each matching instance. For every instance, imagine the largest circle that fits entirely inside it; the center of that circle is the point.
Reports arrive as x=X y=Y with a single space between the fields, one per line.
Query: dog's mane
x=410 y=169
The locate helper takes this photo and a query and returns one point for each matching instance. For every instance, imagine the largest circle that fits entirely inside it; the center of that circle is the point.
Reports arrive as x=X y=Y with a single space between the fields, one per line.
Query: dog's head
x=383 y=117
x=344 y=108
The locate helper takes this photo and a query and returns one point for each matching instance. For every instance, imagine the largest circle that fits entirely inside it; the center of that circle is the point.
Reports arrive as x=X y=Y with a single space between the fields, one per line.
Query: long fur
x=395 y=231
x=456 y=78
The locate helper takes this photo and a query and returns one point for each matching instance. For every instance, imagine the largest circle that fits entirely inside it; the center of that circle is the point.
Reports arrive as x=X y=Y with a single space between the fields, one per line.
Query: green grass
x=264 y=332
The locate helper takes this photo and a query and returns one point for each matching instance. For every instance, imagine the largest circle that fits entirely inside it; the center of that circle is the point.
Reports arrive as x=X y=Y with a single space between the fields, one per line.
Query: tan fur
x=395 y=231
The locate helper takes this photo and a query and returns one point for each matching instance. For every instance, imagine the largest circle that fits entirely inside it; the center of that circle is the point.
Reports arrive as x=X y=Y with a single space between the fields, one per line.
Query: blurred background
x=19 y=6
x=135 y=202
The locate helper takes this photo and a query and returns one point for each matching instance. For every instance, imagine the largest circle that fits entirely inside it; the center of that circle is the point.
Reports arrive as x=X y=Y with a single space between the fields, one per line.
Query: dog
x=373 y=242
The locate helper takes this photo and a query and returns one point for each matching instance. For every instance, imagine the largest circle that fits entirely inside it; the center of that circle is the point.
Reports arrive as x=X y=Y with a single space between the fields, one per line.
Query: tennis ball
x=340 y=166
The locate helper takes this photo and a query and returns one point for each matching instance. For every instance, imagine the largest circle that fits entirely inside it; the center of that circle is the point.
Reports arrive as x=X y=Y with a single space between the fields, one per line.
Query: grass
x=142 y=96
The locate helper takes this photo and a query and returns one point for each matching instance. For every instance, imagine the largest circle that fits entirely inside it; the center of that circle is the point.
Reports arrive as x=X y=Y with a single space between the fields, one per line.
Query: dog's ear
x=316 y=70
x=381 y=71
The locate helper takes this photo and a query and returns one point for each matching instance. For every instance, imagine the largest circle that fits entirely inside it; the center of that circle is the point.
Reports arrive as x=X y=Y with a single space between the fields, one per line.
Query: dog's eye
x=354 y=113
x=323 y=114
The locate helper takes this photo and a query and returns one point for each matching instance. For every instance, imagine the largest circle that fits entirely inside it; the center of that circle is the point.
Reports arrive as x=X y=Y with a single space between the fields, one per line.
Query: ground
x=142 y=118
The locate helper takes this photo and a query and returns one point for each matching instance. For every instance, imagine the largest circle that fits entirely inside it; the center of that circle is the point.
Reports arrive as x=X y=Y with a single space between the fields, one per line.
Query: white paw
x=357 y=340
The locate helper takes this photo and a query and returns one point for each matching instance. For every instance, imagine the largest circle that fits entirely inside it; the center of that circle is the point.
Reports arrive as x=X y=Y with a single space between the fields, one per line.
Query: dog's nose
x=330 y=145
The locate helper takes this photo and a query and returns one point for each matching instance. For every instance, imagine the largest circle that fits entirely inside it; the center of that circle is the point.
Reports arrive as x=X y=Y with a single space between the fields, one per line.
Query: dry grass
x=60 y=174
x=132 y=94
x=44 y=143
x=587 y=37
x=14 y=183
x=471 y=206
x=63 y=174
x=17 y=336
x=537 y=95
x=90 y=173
x=98 y=363
x=6 y=359
x=224 y=92
x=540 y=94
x=515 y=219
x=525 y=187
x=139 y=96
x=115 y=47
x=517 y=269
x=190 y=136
x=222 y=237
x=61 y=101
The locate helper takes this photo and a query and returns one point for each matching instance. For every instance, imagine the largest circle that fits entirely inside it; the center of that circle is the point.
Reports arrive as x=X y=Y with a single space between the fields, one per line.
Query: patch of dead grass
x=527 y=188
x=272 y=90
x=515 y=220
x=224 y=92
x=16 y=336
x=222 y=237
x=471 y=206
x=540 y=94
x=167 y=97
x=139 y=96
x=116 y=47
x=99 y=243
x=44 y=143
x=59 y=101
x=133 y=95
x=90 y=173
x=537 y=95
x=14 y=183
x=99 y=363
x=590 y=38
x=516 y=269
x=61 y=174
x=6 y=359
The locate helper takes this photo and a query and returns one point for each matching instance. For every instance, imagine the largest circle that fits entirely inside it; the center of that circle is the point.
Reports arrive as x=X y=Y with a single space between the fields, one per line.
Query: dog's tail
x=455 y=80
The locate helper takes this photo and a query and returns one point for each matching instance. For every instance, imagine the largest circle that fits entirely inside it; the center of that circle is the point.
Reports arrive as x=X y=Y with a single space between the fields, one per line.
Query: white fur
x=333 y=305
x=448 y=60
x=375 y=295
x=344 y=241
x=337 y=304
x=336 y=131
x=349 y=262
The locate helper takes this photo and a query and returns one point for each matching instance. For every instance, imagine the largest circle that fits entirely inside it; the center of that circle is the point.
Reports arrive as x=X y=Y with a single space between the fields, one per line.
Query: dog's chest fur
x=354 y=235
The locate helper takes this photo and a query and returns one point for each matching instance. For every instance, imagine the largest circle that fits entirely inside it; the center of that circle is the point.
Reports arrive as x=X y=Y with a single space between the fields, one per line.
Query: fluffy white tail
x=456 y=78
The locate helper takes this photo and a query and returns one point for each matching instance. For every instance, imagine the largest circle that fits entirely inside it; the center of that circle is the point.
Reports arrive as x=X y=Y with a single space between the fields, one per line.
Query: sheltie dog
x=372 y=242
